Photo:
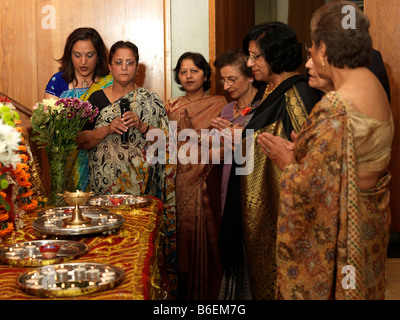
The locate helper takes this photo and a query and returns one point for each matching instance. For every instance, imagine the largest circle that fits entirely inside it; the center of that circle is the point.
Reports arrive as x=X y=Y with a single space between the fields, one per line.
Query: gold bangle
x=94 y=132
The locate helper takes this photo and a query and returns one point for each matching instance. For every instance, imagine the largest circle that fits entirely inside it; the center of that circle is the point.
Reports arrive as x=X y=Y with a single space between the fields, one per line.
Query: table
x=136 y=247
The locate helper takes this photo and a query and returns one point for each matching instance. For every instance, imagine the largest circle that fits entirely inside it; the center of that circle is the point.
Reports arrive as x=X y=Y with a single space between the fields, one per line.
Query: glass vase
x=57 y=163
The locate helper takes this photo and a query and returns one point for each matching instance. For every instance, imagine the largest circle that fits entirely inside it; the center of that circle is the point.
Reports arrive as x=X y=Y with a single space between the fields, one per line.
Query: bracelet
x=147 y=129
x=94 y=132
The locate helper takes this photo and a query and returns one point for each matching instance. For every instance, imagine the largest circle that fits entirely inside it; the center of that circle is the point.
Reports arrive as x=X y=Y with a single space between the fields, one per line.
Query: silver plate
x=128 y=202
x=46 y=282
x=69 y=250
x=112 y=223
x=65 y=209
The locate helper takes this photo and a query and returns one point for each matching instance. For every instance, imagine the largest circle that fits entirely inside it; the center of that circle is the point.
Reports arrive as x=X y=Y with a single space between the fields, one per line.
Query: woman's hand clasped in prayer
x=185 y=122
x=279 y=150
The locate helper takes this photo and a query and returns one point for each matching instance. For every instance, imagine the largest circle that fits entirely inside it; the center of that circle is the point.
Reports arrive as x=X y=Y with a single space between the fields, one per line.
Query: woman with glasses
x=340 y=162
x=83 y=70
x=198 y=185
x=248 y=229
x=121 y=166
x=238 y=81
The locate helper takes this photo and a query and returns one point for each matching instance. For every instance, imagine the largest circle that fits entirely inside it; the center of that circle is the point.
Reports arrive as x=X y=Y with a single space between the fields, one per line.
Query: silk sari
x=248 y=230
x=198 y=200
x=77 y=170
x=332 y=238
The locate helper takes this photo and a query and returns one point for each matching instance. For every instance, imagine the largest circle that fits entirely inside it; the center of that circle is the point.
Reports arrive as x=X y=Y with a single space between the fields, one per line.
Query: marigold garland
x=21 y=176
x=4 y=217
x=7 y=230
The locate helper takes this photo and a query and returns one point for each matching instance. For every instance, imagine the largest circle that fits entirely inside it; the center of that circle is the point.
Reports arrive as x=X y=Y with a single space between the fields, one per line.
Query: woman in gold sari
x=198 y=186
x=333 y=224
x=248 y=230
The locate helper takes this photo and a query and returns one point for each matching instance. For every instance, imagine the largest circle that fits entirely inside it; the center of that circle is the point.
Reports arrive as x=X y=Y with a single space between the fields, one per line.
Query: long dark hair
x=200 y=63
x=67 y=66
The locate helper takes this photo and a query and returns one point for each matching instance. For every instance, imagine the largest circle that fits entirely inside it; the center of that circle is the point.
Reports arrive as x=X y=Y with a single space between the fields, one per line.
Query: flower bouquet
x=15 y=193
x=56 y=124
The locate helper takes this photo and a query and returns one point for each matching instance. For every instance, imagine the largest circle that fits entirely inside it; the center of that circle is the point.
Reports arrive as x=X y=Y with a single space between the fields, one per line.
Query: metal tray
x=43 y=225
x=25 y=257
x=68 y=209
x=129 y=202
x=70 y=280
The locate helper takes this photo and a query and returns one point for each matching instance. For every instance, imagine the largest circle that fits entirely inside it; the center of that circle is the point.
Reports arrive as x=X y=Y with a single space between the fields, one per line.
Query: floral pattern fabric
x=331 y=237
x=123 y=168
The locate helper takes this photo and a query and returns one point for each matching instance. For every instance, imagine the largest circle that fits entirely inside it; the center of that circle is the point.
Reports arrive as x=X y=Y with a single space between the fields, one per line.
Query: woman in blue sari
x=83 y=70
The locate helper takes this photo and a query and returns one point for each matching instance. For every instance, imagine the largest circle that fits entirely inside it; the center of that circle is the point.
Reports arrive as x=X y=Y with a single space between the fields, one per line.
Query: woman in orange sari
x=198 y=186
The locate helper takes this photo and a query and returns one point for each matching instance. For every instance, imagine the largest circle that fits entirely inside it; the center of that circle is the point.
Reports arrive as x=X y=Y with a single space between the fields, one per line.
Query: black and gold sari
x=248 y=232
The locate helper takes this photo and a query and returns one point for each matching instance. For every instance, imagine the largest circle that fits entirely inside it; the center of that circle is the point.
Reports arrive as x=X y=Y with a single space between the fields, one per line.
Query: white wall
x=189 y=32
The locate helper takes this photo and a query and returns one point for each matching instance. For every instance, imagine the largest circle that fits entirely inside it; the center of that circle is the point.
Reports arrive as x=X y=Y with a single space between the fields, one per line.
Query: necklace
x=267 y=93
x=245 y=110
x=188 y=101
x=84 y=84
x=239 y=108
x=112 y=100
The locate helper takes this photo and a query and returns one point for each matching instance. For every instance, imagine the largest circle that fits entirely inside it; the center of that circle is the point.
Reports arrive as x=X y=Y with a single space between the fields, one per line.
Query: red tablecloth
x=136 y=247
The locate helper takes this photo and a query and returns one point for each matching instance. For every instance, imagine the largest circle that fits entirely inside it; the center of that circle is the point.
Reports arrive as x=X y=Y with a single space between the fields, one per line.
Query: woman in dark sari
x=248 y=231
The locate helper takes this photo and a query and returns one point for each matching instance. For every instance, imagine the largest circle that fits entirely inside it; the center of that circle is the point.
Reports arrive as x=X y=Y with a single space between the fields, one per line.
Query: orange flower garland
x=22 y=177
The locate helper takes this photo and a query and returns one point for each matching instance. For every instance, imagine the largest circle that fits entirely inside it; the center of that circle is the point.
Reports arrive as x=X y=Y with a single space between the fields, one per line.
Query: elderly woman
x=333 y=226
x=248 y=231
x=237 y=79
x=120 y=166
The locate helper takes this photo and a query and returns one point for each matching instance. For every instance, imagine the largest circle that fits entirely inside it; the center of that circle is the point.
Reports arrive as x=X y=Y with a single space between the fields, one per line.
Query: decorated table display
x=136 y=248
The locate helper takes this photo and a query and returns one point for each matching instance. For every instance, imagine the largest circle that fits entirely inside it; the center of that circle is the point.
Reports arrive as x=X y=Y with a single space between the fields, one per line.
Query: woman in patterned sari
x=119 y=167
x=333 y=224
x=83 y=70
x=248 y=231
x=198 y=186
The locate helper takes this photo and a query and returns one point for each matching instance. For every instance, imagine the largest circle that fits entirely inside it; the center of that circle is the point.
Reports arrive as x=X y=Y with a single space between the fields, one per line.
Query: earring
x=323 y=63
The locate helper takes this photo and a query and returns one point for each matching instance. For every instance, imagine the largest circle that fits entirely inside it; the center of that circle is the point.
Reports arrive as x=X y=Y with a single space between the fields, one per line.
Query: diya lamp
x=49 y=251
x=77 y=198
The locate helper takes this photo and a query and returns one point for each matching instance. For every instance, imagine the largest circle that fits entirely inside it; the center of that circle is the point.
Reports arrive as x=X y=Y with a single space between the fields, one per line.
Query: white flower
x=9 y=143
x=50 y=102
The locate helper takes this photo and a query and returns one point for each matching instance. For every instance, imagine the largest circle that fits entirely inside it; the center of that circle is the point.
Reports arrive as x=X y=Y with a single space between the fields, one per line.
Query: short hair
x=124 y=45
x=345 y=47
x=66 y=65
x=278 y=44
x=200 y=62
x=234 y=57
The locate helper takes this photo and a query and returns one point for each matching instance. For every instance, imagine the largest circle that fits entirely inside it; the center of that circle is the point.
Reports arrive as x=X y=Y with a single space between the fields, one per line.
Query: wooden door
x=385 y=32
x=230 y=20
